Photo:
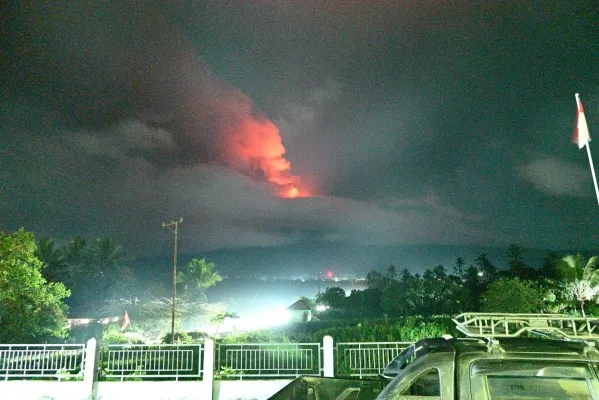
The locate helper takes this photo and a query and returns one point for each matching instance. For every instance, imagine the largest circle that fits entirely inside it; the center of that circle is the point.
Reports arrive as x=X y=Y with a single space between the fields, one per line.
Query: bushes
x=180 y=337
x=406 y=329
x=382 y=330
x=113 y=335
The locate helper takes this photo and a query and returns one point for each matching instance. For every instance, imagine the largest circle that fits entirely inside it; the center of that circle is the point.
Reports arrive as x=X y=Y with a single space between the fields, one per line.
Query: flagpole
x=592 y=170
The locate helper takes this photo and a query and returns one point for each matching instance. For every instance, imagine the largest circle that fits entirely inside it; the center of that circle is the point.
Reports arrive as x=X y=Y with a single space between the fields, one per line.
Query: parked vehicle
x=494 y=362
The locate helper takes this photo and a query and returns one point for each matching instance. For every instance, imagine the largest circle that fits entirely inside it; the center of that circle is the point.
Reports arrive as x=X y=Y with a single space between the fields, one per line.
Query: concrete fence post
x=328 y=357
x=89 y=371
x=208 y=371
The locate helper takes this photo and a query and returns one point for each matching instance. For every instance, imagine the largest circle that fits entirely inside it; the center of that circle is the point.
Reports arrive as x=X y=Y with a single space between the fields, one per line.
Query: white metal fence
x=185 y=361
x=166 y=361
x=366 y=358
x=268 y=359
x=64 y=361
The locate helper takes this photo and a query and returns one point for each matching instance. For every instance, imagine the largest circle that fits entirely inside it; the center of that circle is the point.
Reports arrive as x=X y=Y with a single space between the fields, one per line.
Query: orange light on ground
x=294 y=192
x=290 y=193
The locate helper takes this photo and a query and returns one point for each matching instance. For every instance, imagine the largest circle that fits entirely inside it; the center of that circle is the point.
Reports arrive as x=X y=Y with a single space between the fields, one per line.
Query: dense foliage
x=512 y=295
x=32 y=310
x=565 y=284
x=396 y=305
x=407 y=329
x=93 y=271
x=581 y=278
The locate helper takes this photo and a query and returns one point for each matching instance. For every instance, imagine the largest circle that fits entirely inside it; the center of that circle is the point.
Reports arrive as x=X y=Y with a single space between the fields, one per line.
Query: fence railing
x=366 y=358
x=185 y=361
x=64 y=361
x=268 y=359
x=152 y=361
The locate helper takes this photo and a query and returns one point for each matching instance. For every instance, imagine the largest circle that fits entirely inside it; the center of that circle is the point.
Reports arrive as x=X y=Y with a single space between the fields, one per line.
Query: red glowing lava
x=255 y=147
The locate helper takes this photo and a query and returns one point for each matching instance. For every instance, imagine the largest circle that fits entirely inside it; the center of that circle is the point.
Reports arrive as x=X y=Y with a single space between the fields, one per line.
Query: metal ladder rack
x=498 y=325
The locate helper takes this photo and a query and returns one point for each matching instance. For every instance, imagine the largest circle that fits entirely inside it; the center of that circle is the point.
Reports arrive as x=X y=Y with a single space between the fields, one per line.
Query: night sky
x=404 y=122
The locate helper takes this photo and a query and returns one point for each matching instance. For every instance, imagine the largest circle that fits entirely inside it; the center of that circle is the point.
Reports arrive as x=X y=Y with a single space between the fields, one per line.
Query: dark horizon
x=344 y=260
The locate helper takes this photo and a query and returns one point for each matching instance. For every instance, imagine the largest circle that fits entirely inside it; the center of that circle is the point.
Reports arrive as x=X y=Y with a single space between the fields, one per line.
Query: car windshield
x=528 y=380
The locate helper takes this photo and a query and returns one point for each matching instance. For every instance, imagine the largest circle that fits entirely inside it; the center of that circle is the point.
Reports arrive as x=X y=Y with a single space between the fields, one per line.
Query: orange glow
x=255 y=147
x=291 y=193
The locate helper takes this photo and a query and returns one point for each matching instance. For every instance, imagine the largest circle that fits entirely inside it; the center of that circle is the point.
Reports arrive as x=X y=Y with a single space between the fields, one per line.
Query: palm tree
x=106 y=266
x=199 y=275
x=55 y=267
x=516 y=261
x=486 y=266
x=76 y=257
x=76 y=252
x=107 y=253
x=458 y=268
x=391 y=272
x=582 y=279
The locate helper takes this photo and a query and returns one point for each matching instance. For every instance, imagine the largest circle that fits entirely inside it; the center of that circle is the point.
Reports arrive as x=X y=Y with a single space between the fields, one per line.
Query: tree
x=392 y=301
x=516 y=261
x=309 y=302
x=486 y=266
x=76 y=258
x=32 y=310
x=391 y=272
x=333 y=297
x=441 y=294
x=458 y=268
x=439 y=272
x=473 y=284
x=582 y=278
x=372 y=300
x=219 y=318
x=375 y=280
x=404 y=297
x=97 y=272
x=549 y=269
x=76 y=253
x=106 y=260
x=198 y=275
x=512 y=295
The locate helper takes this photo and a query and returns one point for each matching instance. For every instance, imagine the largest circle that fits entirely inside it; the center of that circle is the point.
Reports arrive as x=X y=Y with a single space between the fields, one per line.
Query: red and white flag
x=581 y=133
x=126 y=321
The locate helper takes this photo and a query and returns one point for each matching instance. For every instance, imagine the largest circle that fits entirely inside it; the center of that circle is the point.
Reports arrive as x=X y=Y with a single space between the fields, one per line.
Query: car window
x=426 y=384
x=537 y=388
x=507 y=380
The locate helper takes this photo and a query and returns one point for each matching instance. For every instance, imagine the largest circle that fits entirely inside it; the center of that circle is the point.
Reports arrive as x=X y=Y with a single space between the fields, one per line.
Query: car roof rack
x=501 y=325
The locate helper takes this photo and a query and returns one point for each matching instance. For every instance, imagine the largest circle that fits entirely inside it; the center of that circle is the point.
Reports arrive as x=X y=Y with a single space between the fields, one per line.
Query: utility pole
x=319 y=283
x=175 y=230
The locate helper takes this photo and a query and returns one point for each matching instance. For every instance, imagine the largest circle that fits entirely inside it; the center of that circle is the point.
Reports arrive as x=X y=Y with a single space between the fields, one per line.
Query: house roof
x=299 y=305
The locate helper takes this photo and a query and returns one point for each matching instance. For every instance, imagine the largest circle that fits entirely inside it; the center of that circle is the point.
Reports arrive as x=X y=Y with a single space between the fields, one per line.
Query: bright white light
x=480 y=273
x=267 y=319
x=321 y=307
